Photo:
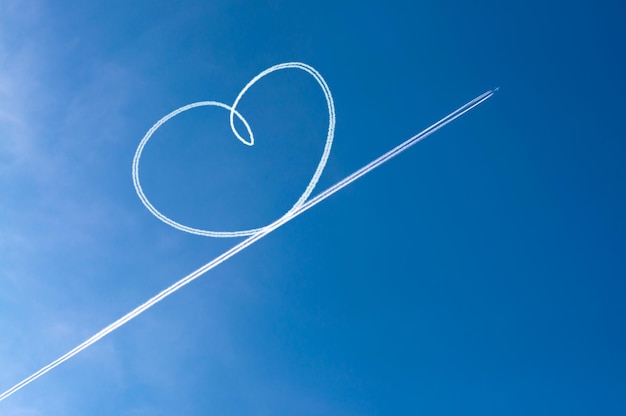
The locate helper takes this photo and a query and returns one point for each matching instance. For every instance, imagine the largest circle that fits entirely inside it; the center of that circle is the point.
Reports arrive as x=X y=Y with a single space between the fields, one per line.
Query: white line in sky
x=255 y=234
x=234 y=113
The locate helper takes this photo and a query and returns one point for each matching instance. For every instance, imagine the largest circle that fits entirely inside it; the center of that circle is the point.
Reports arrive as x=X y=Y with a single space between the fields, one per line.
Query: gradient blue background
x=480 y=273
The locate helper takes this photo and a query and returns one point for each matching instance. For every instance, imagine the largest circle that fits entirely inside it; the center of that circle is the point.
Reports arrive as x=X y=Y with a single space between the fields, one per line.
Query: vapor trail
x=330 y=134
x=252 y=239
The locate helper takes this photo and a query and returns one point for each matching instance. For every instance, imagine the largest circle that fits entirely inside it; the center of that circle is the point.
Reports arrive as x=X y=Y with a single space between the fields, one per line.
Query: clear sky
x=480 y=273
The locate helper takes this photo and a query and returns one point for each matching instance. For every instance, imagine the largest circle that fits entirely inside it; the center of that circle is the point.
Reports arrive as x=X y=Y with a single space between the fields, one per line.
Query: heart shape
x=234 y=113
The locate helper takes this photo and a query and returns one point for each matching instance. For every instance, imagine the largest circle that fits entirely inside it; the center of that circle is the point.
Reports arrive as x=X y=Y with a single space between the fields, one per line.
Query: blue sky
x=482 y=272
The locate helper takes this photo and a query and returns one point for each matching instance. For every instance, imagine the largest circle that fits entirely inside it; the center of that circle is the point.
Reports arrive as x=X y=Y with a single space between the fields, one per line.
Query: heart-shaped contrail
x=303 y=204
x=234 y=113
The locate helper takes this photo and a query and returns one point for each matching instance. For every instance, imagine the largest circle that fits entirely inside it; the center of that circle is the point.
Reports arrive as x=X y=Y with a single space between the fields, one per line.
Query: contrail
x=258 y=233
x=234 y=113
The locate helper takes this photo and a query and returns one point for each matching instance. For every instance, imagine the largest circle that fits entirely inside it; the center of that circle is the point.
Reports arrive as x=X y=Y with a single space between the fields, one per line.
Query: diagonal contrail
x=252 y=239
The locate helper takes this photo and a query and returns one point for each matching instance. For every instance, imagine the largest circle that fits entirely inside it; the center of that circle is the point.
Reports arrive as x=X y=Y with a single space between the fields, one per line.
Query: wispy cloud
x=16 y=86
x=48 y=209
x=52 y=135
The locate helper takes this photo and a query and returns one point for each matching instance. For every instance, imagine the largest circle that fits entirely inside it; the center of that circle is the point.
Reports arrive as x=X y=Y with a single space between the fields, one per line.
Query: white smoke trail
x=233 y=112
x=256 y=234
